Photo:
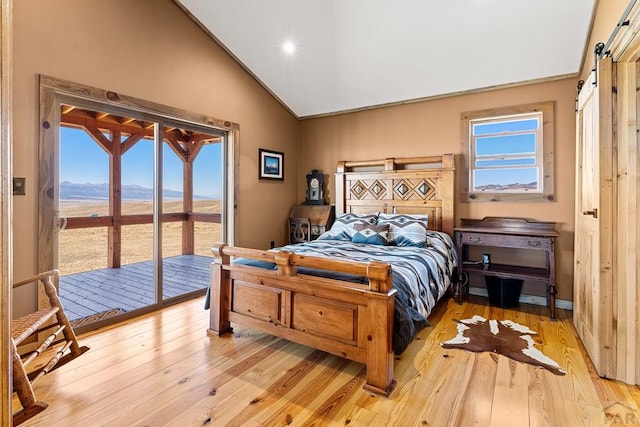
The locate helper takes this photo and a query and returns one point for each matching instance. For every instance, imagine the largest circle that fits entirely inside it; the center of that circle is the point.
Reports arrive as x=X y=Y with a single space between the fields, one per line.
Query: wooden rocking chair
x=60 y=337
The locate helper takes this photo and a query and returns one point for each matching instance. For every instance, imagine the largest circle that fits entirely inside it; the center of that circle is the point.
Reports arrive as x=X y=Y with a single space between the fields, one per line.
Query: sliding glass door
x=140 y=200
x=192 y=202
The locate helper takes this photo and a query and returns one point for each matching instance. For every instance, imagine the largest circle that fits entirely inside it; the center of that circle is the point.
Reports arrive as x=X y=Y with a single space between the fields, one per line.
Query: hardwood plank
x=239 y=387
x=208 y=388
x=581 y=415
x=438 y=379
x=172 y=371
x=296 y=386
x=301 y=395
x=163 y=369
x=481 y=381
x=333 y=402
x=510 y=396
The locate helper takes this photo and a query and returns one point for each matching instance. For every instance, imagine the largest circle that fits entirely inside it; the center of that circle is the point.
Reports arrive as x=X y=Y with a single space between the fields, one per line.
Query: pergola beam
x=99 y=137
x=114 y=233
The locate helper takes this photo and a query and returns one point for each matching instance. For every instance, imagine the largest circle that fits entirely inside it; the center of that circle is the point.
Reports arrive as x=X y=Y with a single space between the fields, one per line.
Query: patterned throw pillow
x=342 y=228
x=405 y=229
x=371 y=234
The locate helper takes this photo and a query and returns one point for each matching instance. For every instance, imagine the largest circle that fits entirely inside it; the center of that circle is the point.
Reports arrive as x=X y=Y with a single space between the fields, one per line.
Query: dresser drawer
x=505 y=240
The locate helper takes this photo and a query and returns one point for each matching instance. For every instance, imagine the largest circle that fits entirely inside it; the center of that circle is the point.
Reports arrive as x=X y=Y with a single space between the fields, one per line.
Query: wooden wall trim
x=628 y=236
x=607 y=331
x=625 y=50
x=5 y=209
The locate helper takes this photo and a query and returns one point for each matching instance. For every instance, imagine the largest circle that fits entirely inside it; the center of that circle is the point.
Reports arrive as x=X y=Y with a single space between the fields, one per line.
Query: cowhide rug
x=500 y=336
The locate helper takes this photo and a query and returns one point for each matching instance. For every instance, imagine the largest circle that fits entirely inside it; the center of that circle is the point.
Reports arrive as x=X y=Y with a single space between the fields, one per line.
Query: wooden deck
x=131 y=286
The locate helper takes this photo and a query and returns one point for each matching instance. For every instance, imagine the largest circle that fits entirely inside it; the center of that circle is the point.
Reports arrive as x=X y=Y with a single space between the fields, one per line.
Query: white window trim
x=544 y=156
x=474 y=167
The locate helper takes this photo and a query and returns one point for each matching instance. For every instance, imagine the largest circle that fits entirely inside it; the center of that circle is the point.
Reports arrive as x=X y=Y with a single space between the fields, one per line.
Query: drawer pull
x=474 y=239
x=534 y=243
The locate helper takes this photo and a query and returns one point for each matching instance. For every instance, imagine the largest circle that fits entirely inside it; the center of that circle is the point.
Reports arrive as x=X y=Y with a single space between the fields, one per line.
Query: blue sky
x=83 y=161
x=513 y=125
x=495 y=139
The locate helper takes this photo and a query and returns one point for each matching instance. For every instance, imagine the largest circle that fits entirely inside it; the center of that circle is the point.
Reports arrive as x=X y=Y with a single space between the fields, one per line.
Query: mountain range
x=506 y=187
x=75 y=191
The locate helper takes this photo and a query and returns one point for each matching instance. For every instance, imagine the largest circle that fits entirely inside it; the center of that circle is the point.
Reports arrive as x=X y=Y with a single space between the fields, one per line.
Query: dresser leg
x=460 y=288
x=551 y=296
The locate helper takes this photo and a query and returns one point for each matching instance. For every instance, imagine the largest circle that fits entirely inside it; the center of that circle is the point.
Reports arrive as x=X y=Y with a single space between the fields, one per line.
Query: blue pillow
x=406 y=230
x=342 y=228
x=371 y=234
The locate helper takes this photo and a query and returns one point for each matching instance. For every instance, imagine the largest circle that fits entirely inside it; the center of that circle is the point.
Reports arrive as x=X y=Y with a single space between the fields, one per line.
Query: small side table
x=508 y=233
x=308 y=222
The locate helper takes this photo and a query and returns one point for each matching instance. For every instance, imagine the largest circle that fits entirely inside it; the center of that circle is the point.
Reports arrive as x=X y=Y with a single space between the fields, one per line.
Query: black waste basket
x=503 y=293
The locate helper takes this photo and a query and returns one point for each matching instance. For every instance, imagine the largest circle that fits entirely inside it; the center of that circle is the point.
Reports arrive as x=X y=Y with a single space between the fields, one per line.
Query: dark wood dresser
x=514 y=233
x=307 y=222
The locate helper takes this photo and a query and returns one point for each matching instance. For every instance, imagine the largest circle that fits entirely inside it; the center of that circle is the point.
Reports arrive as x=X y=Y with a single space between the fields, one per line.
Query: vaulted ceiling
x=322 y=57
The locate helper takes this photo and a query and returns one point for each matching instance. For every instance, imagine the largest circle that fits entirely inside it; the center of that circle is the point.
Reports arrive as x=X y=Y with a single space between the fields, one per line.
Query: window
x=508 y=154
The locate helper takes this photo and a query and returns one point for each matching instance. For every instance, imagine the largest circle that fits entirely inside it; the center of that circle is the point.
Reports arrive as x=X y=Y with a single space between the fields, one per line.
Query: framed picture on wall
x=271 y=164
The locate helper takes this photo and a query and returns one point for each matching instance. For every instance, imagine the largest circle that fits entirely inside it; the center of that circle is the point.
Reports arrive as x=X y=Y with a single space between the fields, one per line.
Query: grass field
x=86 y=249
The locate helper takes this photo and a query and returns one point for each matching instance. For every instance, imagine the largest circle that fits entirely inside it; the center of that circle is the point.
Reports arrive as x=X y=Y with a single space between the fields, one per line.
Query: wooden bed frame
x=349 y=320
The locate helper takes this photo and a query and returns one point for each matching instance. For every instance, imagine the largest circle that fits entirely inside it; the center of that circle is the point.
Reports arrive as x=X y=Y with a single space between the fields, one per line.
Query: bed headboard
x=414 y=185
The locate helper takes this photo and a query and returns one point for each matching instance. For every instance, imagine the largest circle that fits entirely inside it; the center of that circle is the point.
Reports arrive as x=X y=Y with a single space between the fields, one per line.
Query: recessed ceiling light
x=288 y=47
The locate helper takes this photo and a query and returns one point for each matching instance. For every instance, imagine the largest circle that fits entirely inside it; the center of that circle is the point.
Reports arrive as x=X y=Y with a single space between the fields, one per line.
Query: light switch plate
x=18 y=186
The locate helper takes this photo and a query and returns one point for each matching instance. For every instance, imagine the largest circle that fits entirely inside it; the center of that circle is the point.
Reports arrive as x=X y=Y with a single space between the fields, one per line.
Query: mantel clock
x=315 y=188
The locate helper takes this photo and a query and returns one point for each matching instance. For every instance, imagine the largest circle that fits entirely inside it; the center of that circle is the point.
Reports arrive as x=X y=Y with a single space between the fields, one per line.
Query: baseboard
x=527 y=299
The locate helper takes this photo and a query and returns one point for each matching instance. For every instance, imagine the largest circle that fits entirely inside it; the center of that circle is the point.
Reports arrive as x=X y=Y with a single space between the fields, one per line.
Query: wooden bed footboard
x=350 y=320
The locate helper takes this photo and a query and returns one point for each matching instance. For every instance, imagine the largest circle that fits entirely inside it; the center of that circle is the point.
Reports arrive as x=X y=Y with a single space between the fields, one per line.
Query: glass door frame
x=53 y=94
x=159 y=153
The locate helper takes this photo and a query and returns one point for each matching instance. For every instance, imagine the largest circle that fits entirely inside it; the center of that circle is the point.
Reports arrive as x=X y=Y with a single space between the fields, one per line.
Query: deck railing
x=114 y=232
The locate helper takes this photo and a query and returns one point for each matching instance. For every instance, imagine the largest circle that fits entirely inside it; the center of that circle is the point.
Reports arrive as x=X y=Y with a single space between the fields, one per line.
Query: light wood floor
x=163 y=369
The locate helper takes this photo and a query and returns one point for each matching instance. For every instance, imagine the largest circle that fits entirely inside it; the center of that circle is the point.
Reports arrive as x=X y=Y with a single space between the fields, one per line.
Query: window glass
x=506 y=154
x=509 y=154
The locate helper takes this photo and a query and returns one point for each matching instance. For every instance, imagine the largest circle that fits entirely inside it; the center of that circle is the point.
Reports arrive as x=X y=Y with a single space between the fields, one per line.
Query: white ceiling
x=354 y=54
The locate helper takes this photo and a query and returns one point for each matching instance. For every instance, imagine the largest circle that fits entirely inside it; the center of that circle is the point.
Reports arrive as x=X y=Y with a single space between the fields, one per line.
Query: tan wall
x=433 y=127
x=151 y=50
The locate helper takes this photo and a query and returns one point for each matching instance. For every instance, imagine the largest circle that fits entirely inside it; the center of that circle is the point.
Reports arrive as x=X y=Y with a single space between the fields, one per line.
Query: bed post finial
x=283 y=260
x=340 y=190
x=448 y=161
x=390 y=164
x=448 y=187
x=218 y=253
x=379 y=274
